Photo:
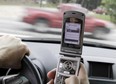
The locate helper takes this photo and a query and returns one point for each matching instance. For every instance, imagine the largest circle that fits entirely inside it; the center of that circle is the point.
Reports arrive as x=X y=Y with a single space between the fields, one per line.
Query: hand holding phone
x=82 y=76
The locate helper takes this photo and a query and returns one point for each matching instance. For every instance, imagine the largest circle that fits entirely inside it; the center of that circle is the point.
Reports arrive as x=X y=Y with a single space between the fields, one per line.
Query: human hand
x=82 y=78
x=12 y=50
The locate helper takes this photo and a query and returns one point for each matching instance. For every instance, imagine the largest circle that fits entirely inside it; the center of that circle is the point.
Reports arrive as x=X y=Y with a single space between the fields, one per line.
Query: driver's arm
x=12 y=50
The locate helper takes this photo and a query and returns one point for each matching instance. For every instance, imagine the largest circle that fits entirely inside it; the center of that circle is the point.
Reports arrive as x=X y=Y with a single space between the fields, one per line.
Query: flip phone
x=71 y=46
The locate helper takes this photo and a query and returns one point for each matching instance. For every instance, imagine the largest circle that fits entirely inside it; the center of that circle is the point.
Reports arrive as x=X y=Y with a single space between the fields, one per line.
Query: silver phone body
x=71 y=46
x=67 y=66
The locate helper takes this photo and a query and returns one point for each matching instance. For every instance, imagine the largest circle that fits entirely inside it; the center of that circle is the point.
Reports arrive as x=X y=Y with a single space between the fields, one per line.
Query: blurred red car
x=49 y=17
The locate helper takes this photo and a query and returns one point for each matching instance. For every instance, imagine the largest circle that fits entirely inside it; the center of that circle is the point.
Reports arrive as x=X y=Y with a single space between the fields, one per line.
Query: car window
x=43 y=18
x=41 y=21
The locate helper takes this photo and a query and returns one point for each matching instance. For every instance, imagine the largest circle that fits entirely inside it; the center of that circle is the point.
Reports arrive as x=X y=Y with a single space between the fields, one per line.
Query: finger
x=72 y=80
x=26 y=49
x=18 y=39
x=51 y=74
x=67 y=81
x=10 y=36
x=16 y=66
x=83 y=77
x=82 y=70
x=51 y=81
x=7 y=36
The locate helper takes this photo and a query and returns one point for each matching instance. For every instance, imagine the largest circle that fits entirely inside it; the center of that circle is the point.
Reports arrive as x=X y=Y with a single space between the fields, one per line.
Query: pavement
x=12 y=12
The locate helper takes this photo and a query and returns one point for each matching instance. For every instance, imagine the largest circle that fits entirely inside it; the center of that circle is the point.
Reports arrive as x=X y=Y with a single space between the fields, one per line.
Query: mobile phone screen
x=72 y=33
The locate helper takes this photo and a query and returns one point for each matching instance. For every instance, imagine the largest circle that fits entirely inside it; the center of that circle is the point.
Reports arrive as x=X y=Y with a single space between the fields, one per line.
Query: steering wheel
x=27 y=75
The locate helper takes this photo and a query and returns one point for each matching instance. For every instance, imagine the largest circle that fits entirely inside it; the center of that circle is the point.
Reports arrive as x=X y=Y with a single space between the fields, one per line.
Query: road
x=22 y=29
x=12 y=12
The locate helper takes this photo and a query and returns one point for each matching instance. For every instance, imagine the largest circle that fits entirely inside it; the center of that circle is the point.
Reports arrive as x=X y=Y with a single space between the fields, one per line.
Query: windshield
x=43 y=18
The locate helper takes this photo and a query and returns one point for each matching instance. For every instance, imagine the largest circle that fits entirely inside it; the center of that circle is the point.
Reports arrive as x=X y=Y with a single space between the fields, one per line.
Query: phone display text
x=72 y=33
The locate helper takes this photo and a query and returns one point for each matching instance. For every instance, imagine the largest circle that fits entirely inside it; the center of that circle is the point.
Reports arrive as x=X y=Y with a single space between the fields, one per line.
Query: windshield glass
x=43 y=18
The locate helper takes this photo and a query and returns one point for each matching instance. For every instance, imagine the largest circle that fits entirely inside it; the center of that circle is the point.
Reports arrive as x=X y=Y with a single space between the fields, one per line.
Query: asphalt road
x=26 y=30
x=22 y=29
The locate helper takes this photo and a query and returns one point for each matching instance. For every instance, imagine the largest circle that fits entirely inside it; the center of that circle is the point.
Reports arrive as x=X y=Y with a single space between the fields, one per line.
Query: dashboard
x=100 y=63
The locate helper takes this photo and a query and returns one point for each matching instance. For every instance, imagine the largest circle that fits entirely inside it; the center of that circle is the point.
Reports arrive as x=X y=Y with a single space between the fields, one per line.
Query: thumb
x=72 y=80
x=51 y=81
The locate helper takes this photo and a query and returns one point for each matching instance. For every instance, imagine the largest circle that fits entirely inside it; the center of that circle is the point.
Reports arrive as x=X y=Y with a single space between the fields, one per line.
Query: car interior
x=21 y=18
x=98 y=60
